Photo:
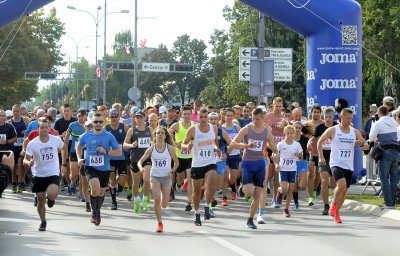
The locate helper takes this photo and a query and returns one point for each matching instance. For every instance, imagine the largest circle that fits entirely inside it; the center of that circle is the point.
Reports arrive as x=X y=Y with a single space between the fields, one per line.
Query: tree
x=35 y=48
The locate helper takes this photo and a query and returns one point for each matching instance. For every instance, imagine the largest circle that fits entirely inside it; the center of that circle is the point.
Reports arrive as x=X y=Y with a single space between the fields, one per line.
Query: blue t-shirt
x=33 y=125
x=119 y=135
x=76 y=130
x=92 y=141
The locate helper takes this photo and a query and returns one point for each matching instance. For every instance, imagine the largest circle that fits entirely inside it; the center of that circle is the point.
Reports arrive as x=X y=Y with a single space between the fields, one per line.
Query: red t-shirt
x=33 y=134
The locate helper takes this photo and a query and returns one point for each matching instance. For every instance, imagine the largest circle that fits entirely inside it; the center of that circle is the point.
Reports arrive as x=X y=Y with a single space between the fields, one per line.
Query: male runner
x=170 y=120
x=8 y=136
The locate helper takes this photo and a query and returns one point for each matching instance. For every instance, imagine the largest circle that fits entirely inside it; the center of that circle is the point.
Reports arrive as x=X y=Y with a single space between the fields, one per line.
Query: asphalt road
x=122 y=232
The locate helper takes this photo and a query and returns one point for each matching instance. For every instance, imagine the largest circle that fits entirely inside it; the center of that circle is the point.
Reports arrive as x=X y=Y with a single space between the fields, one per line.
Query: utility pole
x=135 y=56
x=105 y=52
x=261 y=54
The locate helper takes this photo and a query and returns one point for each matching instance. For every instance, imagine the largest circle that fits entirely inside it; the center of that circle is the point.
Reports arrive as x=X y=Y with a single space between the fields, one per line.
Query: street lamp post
x=97 y=20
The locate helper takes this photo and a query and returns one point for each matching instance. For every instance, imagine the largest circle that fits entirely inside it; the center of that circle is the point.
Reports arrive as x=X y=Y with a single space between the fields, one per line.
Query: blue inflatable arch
x=333 y=29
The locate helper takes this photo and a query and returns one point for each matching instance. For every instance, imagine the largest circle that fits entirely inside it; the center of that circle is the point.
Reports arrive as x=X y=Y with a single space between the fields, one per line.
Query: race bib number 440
x=143 y=142
x=96 y=160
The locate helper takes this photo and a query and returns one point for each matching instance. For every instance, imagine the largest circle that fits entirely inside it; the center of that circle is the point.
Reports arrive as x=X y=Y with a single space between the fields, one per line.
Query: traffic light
x=184 y=68
x=126 y=66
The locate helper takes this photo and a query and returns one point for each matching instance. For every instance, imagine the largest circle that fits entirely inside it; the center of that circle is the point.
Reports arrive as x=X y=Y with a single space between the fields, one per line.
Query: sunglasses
x=98 y=122
x=114 y=116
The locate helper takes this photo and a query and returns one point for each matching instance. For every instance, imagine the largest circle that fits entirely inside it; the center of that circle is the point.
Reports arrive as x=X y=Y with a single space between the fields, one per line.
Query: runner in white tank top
x=161 y=153
x=202 y=140
x=343 y=138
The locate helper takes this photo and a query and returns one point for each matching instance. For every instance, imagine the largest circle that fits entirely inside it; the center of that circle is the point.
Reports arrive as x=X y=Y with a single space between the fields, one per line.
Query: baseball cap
x=114 y=112
x=52 y=111
x=388 y=99
x=212 y=114
x=262 y=107
x=162 y=109
x=88 y=122
x=81 y=112
x=135 y=108
x=140 y=113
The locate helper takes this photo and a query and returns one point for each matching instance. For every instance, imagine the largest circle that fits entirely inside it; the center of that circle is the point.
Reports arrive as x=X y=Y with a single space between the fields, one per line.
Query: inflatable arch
x=334 y=54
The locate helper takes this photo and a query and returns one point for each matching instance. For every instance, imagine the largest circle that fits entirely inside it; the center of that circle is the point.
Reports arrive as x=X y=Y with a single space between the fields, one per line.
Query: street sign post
x=282 y=58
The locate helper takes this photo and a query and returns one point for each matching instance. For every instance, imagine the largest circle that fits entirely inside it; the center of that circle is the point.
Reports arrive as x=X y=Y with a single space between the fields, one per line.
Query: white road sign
x=155 y=67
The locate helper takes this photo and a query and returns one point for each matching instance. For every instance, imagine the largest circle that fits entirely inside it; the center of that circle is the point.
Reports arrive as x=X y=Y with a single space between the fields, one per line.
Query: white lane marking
x=225 y=243
x=171 y=215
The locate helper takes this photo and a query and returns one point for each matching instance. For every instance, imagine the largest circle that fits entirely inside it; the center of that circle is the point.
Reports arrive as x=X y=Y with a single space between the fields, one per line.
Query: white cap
x=88 y=122
x=262 y=107
x=162 y=109
x=9 y=113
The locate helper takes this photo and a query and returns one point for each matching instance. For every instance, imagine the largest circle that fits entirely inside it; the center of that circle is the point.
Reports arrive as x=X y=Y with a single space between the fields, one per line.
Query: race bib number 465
x=96 y=160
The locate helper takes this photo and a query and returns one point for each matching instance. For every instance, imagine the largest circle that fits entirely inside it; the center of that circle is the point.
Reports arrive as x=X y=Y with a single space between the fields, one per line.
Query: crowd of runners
x=213 y=155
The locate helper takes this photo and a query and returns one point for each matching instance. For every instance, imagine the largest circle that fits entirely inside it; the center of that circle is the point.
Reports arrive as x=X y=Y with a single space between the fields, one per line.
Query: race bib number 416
x=205 y=154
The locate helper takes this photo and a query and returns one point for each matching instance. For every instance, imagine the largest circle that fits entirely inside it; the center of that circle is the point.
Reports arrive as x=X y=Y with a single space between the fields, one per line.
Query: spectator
x=385 y=129
x=389 y=103
x=396 y=115
x=371 y=113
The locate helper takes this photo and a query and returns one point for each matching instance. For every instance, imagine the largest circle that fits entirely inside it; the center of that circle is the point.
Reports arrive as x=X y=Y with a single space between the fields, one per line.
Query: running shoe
x=250 y=224
x=188 y=207
x=311 y=201
x=88 y=208
x=275 y=204
x=333 y=209
x=241 y=193
x=286 y=213
x=50 y=203
x=129 y=194
x=114 y=205
x=214 y=202
x=136 y=206
x=178 y=187
x=43 y=226
x=197 y=219
x=207 y=214
x=92 y=219
x=212 y=214
x=145 y=204
x=279 y=197
x=249 y=199
x=260 y=219
x=35 y=201
x=98 y=218
x=21 y=188
x=72 y=187
x=326 y=210
x=185 y=185
x=81 y=197
x=224 y=201
x=69 y=193
x=233 y=196
x=296 y=207
x=337 y=218
x=14 y=188
x=160 y=228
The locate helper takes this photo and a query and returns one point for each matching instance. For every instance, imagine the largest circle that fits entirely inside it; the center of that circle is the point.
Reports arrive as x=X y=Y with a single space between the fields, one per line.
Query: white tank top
x=342 y=149
x=160 y=162
x=203 y=147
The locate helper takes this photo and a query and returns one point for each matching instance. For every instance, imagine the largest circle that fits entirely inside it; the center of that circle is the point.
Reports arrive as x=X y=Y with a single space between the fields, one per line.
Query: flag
x=98 y=72
x=143 y=43
x=72 y=97
x=87 y=86
x=65 y=98
x=127 y=51
x=82 y=95
x=110 y=71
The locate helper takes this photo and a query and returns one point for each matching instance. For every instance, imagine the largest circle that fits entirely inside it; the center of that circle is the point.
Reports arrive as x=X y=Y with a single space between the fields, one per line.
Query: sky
x=160 y=21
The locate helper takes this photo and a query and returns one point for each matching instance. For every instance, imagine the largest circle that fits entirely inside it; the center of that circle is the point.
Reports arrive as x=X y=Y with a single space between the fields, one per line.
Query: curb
x=372 y=209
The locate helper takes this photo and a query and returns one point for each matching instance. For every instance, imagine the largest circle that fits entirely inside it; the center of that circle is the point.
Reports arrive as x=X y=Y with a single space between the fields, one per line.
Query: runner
x=161 y=153
x=325 y=172
x=170 y=120
x=289 y=151
x=275 y=118
x=117 y=163
x=178 y=133
x=343 y=138
x=245 y=119
x=232 y=162
x=75 y=129
x=8 y=136
x=139 y=140
x=42 y=157
x=202 y=138
x=20 y=124
x=253 y=138
x=100 y=145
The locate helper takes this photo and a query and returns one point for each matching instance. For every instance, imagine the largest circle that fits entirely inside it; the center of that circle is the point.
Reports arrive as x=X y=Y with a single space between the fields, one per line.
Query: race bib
x=279 y=138
x=19 y=142
x=3 y=137
x=96 y=160
x=259 y=145
x=345 y=154
x=46 y=154
x=185 y=152
x=287 y=162
x=143 y=142
x=160 y=163
x=205 y=154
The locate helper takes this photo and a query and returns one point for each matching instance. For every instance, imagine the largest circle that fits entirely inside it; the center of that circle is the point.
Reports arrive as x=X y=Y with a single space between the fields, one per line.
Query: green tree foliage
x=34 y=48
